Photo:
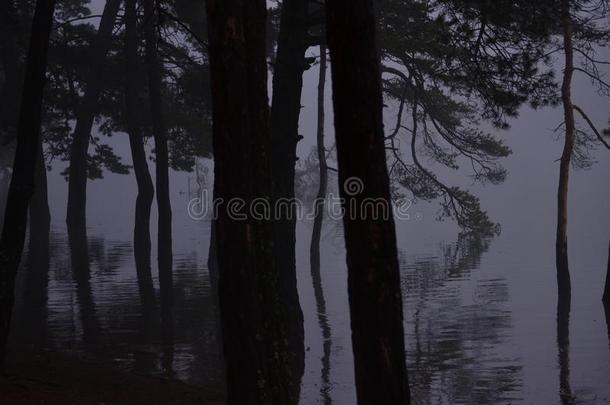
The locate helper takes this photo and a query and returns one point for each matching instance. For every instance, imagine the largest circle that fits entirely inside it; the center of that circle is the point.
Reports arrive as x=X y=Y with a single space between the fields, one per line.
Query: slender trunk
x=164 y=236
x=561 y=244
x=85 y=115
x=141 y=232
x=314 y=250
x=314 y=253
x=213 y=260
x=253 y=317
x=370 y=239
x=24 y=166
x=285 y=111
x=563 y=345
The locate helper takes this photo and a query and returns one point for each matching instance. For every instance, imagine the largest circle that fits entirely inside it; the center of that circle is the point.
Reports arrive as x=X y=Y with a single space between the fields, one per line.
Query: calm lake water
x=480 y=315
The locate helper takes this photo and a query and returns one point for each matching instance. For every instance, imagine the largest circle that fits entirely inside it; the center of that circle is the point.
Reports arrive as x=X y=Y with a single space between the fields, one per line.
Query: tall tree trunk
x=24 y=166
x=372 y=261
x=85 y=115
x=285 y=111
x=561 y=243
x=253 y=316
x=164 y=236
x=141 y=232
x=314 y=249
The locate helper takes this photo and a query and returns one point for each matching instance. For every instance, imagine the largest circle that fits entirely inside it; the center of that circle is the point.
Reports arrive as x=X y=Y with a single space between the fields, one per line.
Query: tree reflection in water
x=453 y=339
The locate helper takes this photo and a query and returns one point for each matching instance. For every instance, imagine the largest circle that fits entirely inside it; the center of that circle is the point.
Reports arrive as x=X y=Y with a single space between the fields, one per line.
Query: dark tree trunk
x=561 y=243
x=285 y=111
x=372 y=261
x=141 y=232
x=24 y=166
x=85 y=115
x=563 y=345
x=314 y=252
x=253 y=316
x=10 y=52
x=37 y=276
x=164 y=236
x=40 y=216
x=213 y=260
x=314 y=249
x=606 y=298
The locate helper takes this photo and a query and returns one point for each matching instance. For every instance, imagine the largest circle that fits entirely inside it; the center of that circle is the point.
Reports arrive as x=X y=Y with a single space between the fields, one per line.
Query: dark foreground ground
x=54 y=378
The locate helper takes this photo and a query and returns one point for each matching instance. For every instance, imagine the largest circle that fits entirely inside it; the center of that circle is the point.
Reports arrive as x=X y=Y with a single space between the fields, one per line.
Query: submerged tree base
x=58 y=378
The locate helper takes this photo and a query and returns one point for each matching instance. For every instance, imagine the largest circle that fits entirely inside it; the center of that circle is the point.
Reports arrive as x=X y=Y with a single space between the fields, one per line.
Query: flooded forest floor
x=59 y=378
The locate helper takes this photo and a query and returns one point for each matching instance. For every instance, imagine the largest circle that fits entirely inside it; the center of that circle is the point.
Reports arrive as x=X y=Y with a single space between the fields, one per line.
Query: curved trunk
x=141 y=232
x=85 y=115
x=314 y=250
x=24 y=166
x=561 y=243
x=285 y=111
x=370 y=240
x=164 y=236
x=253 y=315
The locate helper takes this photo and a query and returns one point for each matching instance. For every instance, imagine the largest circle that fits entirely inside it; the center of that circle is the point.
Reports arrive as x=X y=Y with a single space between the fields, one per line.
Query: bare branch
x=599 y=136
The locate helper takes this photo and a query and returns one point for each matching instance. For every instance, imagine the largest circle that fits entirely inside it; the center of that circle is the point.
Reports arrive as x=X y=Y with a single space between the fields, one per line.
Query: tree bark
x=86 y=111
x=37 y=276
x=24 y=166
x=372 y=262
x=314 y=250
x=253 y=317
x=164 y=236
x=561 y=243
x=141 y=232
x=563 y=346
x=285 y=111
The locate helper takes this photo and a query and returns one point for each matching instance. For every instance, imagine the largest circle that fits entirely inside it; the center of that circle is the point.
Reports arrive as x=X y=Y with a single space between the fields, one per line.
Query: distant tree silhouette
x=141 y=233
x=164 y=245
x=86 y=112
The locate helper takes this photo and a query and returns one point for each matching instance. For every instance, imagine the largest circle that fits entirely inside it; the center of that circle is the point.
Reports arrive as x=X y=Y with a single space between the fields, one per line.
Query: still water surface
x=481 y=316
